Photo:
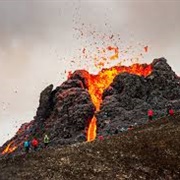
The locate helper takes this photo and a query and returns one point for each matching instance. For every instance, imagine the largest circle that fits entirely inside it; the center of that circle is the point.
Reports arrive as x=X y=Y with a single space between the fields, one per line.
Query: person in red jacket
x=35 y=143
x=150 y=114
x=171 y=112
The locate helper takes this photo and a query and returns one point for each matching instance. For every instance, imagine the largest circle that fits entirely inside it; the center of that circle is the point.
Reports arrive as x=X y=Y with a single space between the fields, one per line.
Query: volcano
x=86 y=106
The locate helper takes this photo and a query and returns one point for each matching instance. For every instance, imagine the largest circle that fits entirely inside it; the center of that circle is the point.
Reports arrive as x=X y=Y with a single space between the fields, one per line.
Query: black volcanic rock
x=71 y=110
x=129 y=97
x=45 y=103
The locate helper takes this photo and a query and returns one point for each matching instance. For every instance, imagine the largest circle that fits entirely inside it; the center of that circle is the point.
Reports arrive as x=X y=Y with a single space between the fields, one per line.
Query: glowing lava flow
x=98 y=83
x=9 y=149
x=91 y=133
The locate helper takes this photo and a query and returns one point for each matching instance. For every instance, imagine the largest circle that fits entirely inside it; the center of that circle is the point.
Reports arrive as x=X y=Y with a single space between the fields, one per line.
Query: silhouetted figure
x=46 y=140
x=150 y=115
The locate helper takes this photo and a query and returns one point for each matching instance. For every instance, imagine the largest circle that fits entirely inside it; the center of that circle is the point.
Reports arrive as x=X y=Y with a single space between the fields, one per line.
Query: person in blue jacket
x=26 y=146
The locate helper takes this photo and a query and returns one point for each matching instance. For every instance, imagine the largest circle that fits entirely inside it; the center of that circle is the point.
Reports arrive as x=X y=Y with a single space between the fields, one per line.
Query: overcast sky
x=37 y=41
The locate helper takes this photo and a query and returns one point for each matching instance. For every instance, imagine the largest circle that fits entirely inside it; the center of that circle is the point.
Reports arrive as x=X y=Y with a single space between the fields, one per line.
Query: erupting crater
x=88 y=101
x=98 y=83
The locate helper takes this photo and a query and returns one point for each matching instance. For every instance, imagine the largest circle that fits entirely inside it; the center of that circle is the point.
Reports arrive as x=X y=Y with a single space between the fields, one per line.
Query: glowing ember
x=146 y=48
x=116 y=52
x=9 y=148
x=98 y=83
x=104 y=57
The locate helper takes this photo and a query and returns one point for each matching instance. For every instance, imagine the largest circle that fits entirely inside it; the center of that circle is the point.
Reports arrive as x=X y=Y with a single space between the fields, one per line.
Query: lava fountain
x=98 y=83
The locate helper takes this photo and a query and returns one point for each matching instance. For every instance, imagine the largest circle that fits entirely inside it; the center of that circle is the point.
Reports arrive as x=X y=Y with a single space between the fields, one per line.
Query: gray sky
x=38 y=40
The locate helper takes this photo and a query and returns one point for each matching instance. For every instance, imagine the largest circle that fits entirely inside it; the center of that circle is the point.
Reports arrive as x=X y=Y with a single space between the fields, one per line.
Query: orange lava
x=98 y=83
x=91 y=133
x=9 y=148
x=116 y=52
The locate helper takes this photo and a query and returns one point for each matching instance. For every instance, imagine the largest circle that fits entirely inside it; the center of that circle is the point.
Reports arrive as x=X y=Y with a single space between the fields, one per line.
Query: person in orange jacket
x=150 y=114
x=35 y=143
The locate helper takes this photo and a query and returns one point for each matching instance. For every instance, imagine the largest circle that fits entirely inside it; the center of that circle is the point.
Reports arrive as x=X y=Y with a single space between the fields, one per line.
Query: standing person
x=26 y=146
x=46 y=140
x=171 y=112
x=168 y=108
x=150 y=115
x=35 y=143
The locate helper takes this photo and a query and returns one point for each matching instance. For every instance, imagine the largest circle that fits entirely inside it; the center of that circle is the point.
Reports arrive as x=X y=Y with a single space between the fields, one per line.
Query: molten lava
x=98 y=83
x=9 y=148
x=91 y=133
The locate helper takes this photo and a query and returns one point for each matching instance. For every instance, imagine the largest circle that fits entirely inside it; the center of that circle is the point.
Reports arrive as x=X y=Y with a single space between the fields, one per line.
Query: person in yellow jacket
x=46 y=140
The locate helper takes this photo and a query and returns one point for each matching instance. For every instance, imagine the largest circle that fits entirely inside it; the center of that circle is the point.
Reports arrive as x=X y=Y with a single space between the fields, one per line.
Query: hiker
x=168 y=108
x=26 y=146
x=46 y=140
x=150 y=114
x=35 y=143
x=100 y=138
x=171 y=112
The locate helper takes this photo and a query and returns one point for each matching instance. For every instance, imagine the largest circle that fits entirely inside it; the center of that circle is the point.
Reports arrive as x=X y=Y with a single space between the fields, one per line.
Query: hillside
x=151 y=151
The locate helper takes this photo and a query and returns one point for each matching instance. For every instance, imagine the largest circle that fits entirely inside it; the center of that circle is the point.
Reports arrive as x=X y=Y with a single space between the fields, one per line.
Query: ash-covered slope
x=151 y=151
x=64 y=113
